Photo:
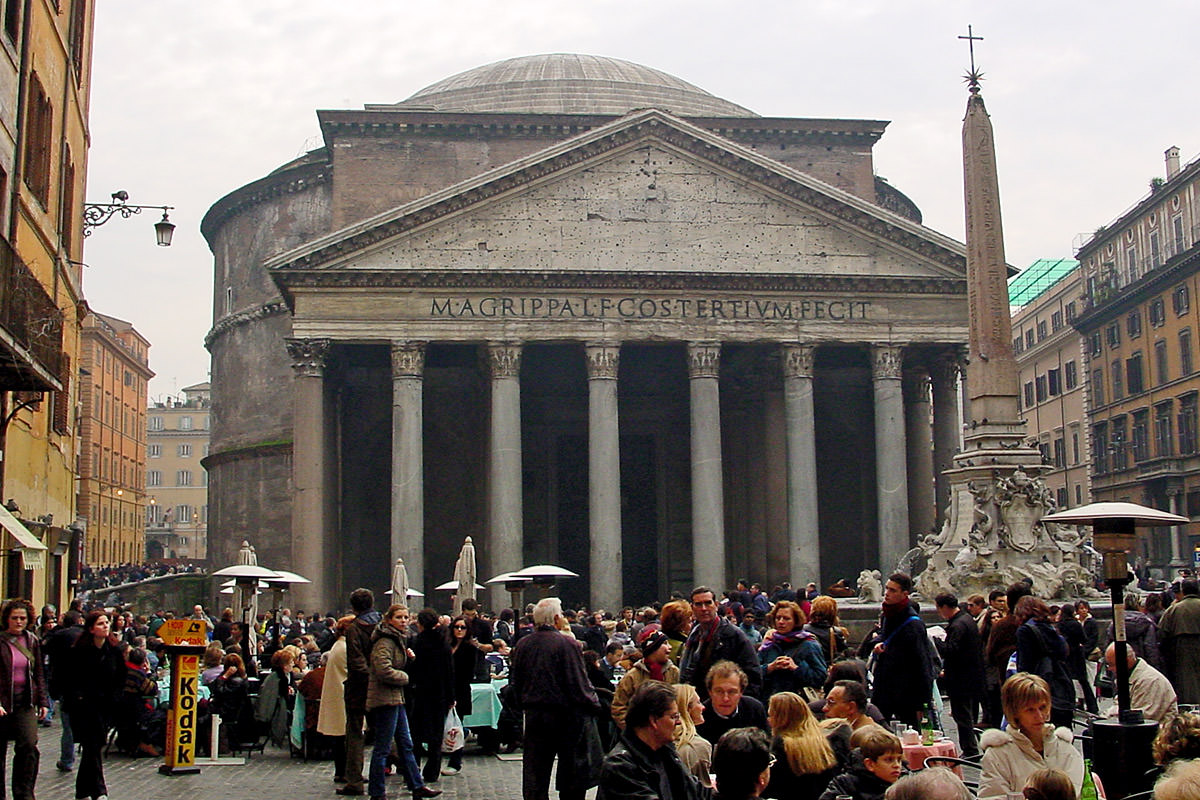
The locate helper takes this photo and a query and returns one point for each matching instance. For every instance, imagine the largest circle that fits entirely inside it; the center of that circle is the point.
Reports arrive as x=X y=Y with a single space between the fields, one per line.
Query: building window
x=1061 y=497
x=153 y=477
x=1180 y=300
x=1163 y=438
x=1041 y=329
x=1040 y=388
x=1071 y=311
x=185 y=423
x=154 y=514
x=156 y=423
x=1074 y=445
x=12 y=20
x=204 y=477
x=1097 y=387
x=1112 y=335
x=154 y=451
x=1117 y=381
x=39 y=142
x=183 y=514
x=1177 y=229
x=1158 y=315
x=1017 y=347
x=1094 y=346
x=1071 y=371
x=1078 y=495
x=1133 y=324
x=1060 y=453
x=1056 y=321
x=1187 y=425
x=1119 y=450
x=1141 y=435
x=1160 y=362
x=1131 y=264
x=1185 y=353
x=1134 y=379
x=1100 y=448
x=183 y=477
x=1029 y=394
x=1155 y=251
x=1054 y=382
x=184 y=451
x=1029 y=338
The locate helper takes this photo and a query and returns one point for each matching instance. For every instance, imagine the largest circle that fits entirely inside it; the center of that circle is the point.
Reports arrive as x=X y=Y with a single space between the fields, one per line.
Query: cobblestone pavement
x=268 y=776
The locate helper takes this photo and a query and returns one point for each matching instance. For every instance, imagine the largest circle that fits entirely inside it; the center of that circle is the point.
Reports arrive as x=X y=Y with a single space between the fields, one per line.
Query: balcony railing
x=31 y=328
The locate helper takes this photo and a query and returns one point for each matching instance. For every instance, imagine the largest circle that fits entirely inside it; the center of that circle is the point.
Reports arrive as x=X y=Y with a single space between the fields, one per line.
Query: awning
x=33 y=552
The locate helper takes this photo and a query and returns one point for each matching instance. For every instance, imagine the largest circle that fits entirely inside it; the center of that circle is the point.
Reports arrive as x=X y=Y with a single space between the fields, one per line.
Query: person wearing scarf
x=904 y=664
x=790 y=657
x=715 y=638
x=655 y=665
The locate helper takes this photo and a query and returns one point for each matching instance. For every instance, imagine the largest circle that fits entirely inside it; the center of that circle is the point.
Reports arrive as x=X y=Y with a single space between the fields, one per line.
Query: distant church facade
x=589 y=315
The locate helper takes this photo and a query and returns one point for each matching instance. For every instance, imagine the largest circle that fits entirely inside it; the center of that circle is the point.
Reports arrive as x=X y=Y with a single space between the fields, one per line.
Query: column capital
x=408 y=359
x=886 y=361
x=798 y=360
x=603 y=361
x=308 y=356
x=704 y=359
x=504 y=359
x=916 y=385
x=946 y=367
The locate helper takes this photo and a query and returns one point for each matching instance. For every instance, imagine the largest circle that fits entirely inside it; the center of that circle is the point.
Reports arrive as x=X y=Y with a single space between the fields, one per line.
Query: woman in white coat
x=331 y=719
x=1029 y=744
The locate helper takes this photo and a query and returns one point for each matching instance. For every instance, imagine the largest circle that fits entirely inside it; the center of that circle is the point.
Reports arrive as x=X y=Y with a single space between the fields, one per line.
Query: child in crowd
x=875 y=767
x=1049 y=784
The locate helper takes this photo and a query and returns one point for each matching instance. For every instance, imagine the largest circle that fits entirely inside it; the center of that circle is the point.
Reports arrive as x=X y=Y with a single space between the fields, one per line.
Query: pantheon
x=590 y=315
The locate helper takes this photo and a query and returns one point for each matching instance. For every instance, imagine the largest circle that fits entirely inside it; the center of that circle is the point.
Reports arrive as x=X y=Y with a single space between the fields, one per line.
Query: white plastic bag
x=453 y=735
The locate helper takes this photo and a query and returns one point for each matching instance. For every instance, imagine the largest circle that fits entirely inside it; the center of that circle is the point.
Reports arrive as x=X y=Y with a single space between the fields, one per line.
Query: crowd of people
x=94 y=578
x=731 y=694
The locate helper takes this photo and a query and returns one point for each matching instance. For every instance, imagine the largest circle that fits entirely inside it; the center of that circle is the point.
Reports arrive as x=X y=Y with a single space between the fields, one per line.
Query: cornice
x=593 y=280
x=626 y=132
x=226 y=324
x=1143 y=289
x=269 y=450
x=286 y=180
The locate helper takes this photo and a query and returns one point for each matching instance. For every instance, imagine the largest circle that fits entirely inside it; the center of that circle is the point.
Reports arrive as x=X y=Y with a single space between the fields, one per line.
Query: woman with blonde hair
x=1029 y=744
x=805 y=758
x=694 y=750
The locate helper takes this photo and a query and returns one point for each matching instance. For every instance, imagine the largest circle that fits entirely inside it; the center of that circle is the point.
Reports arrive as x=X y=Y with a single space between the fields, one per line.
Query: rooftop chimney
x=1172 y=156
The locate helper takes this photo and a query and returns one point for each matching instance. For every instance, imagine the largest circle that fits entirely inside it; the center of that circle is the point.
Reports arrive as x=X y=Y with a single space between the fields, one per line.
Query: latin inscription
x=633 y=307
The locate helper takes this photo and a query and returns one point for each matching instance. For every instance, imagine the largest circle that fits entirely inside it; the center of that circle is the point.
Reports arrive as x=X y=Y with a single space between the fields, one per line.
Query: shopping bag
x=453 y=734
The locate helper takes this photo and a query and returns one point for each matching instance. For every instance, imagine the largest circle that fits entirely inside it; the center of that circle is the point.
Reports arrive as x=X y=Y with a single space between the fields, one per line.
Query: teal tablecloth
x=485 y=705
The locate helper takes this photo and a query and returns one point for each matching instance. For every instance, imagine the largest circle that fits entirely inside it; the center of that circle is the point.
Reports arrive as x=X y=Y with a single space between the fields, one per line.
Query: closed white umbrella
x=400 y=585
x=464 y=573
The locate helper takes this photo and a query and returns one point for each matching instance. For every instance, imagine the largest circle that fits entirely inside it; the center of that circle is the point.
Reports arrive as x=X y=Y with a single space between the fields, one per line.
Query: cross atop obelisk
x=974 y=76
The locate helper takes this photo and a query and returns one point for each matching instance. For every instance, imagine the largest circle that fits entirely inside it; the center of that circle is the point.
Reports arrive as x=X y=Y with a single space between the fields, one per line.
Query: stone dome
x=563 y=83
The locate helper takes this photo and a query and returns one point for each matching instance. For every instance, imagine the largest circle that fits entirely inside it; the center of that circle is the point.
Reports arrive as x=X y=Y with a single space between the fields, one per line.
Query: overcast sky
x=191 y=100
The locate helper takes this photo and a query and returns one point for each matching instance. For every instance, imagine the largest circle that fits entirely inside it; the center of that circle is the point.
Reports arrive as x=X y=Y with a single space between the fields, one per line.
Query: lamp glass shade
x=164 y=229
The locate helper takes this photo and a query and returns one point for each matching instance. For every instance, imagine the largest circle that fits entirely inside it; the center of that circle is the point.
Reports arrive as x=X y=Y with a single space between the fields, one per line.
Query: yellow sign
x=180 y=753
x=184 y=631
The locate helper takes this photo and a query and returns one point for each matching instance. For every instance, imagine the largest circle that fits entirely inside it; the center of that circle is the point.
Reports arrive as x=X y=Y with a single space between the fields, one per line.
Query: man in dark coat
x=644 y=764
x=358 y=672
x=430 y=690
x=962 y=664
x=904 y=658
x=548 y=681
x=1179 y=631
x=714 y=638
x=57 y=649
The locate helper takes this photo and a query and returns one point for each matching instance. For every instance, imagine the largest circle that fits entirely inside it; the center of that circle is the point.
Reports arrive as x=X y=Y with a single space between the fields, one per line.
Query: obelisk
x=993 y=532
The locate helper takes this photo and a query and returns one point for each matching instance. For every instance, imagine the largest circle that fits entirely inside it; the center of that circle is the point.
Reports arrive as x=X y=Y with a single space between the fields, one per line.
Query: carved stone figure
x=870 y=586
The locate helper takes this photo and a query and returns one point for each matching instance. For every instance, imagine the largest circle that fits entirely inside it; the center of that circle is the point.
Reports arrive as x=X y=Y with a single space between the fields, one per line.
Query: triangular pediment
x=649 y=193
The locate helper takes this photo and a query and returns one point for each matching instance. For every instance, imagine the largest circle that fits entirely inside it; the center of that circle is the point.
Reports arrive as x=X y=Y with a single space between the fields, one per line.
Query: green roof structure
x=1032 y=282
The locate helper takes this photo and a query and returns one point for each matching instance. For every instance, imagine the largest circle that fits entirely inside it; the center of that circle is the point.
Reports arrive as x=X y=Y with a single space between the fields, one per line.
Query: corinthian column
x=891 y=480
x=505 y=520
x=947 y=425
x=919 y=440
x=604 y=477
x=408 y=470
x=708 y=495
x=804 y=543
x=310 y=456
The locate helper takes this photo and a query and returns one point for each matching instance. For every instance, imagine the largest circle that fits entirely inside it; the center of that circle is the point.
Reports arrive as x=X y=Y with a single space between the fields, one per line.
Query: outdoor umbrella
x=464 y=573
x=400 y=580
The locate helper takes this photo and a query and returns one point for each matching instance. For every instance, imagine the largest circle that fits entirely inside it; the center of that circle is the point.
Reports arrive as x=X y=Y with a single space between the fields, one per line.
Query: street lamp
x=1121 y=748
x=96 y=214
